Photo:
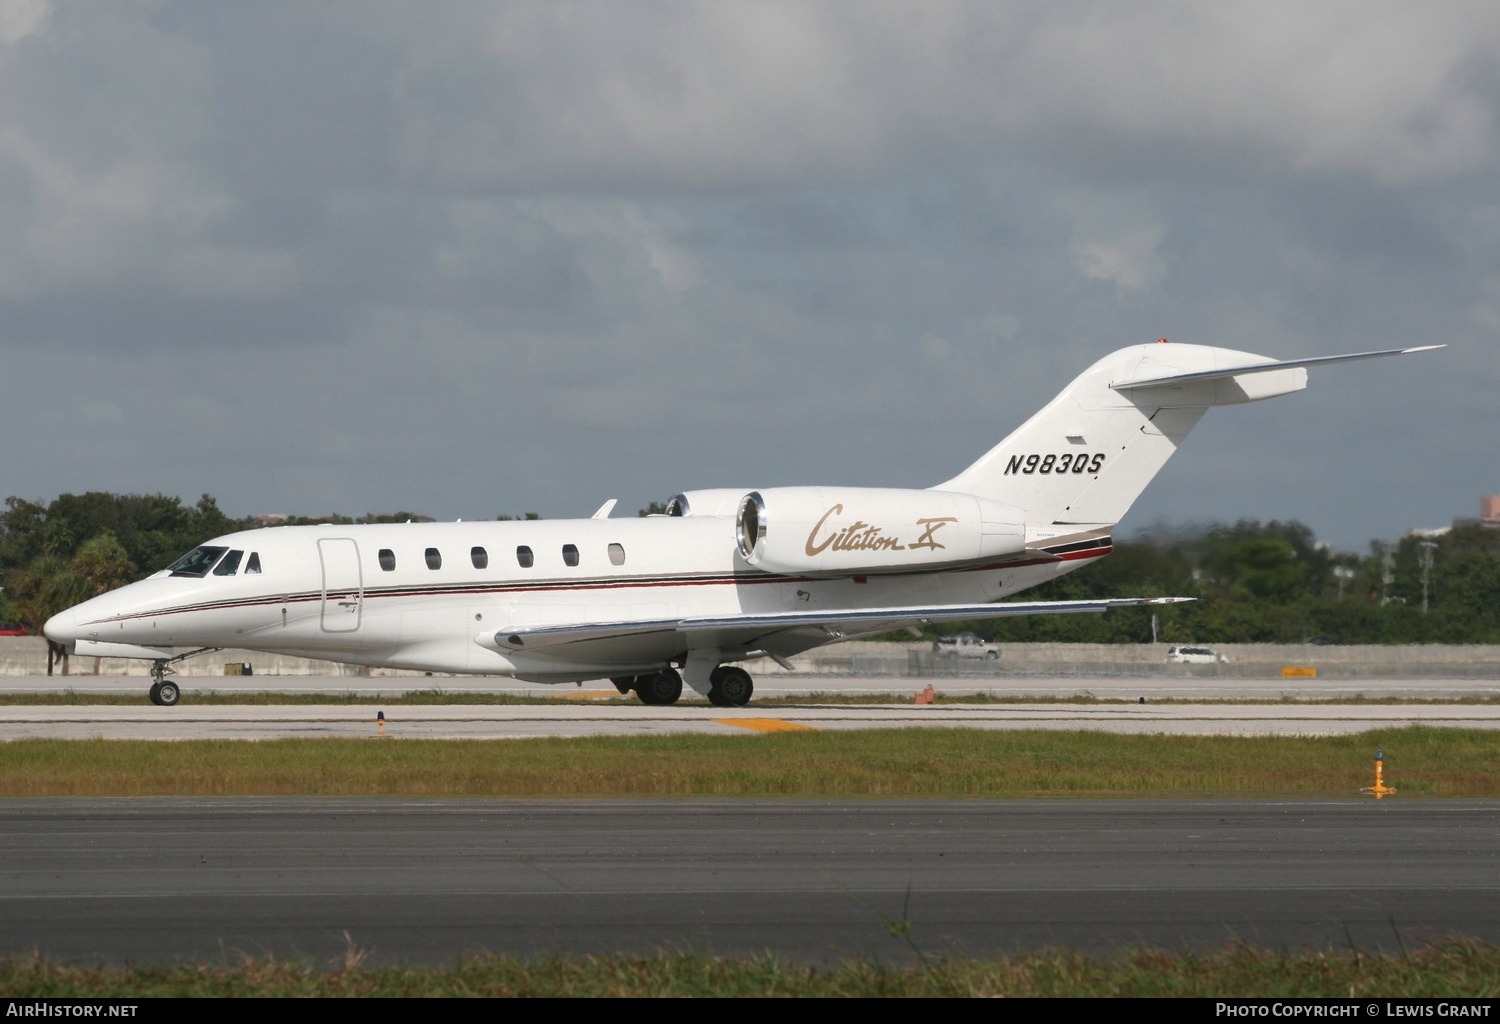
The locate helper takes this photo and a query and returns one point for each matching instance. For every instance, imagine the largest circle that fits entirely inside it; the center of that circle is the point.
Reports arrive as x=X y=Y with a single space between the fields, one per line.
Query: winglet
x=605 y=509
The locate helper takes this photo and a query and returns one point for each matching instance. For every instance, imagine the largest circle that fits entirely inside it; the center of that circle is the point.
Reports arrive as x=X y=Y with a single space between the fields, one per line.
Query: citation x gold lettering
x=861 y=536
x=857 y=536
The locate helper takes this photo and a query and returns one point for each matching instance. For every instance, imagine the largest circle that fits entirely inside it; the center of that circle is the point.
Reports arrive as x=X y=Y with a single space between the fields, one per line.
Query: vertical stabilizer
x=1083 y=459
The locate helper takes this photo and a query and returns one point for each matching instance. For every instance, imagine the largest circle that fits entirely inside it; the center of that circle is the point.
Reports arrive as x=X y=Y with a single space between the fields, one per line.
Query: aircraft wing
x=751 y=630
x=1266 y=367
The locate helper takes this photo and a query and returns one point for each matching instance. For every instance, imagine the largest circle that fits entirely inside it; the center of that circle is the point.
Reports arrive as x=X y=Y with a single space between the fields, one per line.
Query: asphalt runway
x=159 y=880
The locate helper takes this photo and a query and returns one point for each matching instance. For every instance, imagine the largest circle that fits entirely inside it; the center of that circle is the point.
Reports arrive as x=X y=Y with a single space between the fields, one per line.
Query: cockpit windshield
x=196 y=562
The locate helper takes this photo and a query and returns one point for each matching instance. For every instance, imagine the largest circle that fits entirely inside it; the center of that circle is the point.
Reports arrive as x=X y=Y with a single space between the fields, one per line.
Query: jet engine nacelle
x=710 y=501
x=842 y=531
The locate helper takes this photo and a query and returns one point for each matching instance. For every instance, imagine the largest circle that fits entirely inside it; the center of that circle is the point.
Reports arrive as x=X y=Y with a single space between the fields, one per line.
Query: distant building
x=271 y=517
x=1489 y=514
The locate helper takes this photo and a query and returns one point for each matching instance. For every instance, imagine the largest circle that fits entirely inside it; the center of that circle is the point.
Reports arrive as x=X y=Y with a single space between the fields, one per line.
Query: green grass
x=877 y=763
x=1459 y=969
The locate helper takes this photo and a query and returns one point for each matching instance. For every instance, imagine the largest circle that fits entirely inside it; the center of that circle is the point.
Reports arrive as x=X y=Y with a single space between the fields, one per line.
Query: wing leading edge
x=753 y=629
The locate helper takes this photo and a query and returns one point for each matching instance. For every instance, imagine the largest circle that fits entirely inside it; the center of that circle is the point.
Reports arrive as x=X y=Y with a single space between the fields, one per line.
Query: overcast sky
x=478 y=258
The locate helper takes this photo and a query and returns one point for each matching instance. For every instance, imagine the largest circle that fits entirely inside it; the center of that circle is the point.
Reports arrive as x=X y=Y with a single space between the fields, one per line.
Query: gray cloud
x=476 y=258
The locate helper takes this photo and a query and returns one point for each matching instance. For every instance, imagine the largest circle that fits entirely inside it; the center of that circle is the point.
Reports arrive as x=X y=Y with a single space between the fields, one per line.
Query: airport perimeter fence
x=27 y=656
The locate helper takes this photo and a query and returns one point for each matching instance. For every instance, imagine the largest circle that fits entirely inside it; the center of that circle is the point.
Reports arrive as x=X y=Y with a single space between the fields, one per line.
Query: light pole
x=1428 y=547
x=1344 y=574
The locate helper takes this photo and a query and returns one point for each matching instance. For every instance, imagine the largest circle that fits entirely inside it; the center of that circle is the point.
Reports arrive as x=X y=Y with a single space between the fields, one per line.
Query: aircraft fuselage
x=429 y=596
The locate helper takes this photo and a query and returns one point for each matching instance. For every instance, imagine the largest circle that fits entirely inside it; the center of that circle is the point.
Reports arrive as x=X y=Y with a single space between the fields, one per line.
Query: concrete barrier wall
x=27 y=656
x=1244 y=661
x=22 y=656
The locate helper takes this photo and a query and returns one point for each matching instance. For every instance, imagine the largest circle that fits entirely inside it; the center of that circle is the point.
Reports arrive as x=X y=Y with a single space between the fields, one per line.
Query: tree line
x=1254 y=582
x=1273 y=583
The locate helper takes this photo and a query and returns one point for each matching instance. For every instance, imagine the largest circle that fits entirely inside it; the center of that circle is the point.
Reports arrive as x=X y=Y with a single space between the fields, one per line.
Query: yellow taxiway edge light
x=766 y=724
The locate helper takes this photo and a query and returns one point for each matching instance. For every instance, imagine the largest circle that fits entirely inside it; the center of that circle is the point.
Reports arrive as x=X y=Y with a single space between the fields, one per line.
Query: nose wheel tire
x=165 y=694
x=730 y=687
x=659 y=688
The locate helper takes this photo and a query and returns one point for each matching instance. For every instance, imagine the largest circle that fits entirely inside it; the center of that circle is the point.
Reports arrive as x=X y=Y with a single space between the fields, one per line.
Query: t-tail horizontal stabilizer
x=1266 y=367
x=1083 y=459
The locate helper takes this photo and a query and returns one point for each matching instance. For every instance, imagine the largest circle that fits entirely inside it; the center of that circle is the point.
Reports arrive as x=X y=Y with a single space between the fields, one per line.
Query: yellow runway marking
x=766 y=724
x=587 y=695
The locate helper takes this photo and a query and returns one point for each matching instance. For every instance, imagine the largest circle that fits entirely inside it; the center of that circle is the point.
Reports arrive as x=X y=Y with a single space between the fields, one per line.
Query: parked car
x=13 y=629
x=966 y=645
x=1195 y=656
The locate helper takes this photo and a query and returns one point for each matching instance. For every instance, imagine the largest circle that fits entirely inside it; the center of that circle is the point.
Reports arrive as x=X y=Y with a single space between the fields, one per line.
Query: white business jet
x=726 y=576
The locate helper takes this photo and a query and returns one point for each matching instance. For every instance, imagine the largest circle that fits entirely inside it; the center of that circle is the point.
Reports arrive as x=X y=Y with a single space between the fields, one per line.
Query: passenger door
x=343 y=584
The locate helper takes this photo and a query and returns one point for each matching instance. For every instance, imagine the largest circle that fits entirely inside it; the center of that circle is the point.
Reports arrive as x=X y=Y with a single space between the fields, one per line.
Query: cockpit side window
x=196 y=562
x=252 y=567
x=230 y=564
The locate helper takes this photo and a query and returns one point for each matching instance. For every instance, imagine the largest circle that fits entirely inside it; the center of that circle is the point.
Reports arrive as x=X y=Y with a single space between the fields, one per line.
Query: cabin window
x=480 y=558
x=524 y=557
x=387 y=559
x=196 y=562
x=230 y=565
x=570 y=554
x=434 y=558
x=616 y=554
x=252 y=567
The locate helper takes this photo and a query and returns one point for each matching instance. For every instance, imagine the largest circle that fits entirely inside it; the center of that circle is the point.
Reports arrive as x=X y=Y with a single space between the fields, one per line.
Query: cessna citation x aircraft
x=726 y=576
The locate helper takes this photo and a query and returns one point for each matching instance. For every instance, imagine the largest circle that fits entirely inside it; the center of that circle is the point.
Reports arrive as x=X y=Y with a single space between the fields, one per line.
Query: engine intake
x=713 y=501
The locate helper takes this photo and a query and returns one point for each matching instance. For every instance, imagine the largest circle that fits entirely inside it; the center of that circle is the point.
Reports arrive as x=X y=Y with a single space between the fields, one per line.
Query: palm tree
x=50 y=584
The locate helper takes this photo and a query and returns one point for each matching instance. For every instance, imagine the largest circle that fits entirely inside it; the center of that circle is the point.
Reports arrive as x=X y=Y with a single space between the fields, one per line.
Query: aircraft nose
x=62 y=628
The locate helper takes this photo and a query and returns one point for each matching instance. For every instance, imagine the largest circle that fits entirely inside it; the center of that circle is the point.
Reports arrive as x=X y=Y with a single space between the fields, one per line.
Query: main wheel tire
x=624 y=683
x=730 y=687
x=155 y=694
x=167 y=693
x=659 y=688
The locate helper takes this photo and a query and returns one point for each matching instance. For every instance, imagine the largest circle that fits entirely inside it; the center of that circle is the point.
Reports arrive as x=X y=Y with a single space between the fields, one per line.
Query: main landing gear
x=728 y=687
x=656 y=689
x=164 y=692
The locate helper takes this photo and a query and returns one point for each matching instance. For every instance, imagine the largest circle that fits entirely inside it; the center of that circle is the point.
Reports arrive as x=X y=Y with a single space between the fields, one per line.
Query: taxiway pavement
x=425 y=881
x=1156 y=687
x=516 y=721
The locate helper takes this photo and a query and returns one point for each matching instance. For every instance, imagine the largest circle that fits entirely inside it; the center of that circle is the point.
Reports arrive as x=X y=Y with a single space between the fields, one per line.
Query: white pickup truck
x=965 y=645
